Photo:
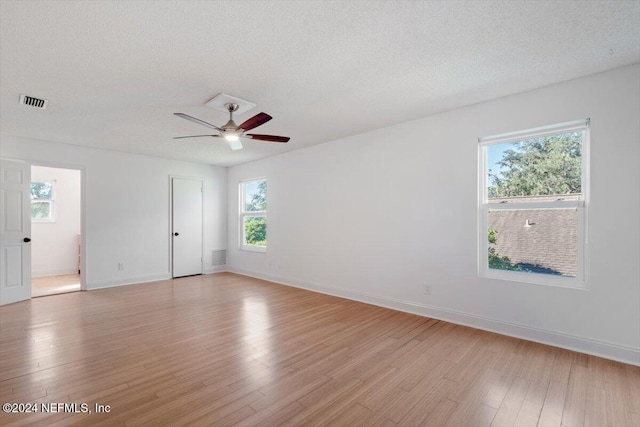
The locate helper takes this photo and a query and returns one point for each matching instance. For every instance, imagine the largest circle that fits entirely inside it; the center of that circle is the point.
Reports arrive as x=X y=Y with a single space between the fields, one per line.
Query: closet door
x=186 y=230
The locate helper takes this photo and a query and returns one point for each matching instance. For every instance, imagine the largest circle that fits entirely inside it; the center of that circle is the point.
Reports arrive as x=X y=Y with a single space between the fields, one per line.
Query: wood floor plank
x=441 y=414
x=512 y=403
x=576 y=399
x=553 y=406
x=227 y=350
x=596 y=410
x=233 y=406
x=483 y=416
x=421 y=411
x=470 y=395
x=529 y=414
x=432 y=383
x=355 y=415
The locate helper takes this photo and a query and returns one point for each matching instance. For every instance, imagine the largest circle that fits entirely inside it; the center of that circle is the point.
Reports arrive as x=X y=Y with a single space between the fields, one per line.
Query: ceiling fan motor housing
x=230 y=125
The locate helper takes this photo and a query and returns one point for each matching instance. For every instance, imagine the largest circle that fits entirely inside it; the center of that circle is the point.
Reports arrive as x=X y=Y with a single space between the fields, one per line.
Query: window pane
x=255 y=196
x=255 y=230
x=534 y=240
x=535 y=169
x=41 y=190
x=40 y=210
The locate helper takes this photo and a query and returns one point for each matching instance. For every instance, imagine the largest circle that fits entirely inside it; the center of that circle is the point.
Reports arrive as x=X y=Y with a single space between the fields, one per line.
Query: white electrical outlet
x=427 y=289
x=120 y=266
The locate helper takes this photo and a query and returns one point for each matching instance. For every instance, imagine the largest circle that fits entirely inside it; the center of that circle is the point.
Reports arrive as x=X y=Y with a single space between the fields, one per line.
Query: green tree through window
x=41 y=200
x=254 y=213
x=538 y=167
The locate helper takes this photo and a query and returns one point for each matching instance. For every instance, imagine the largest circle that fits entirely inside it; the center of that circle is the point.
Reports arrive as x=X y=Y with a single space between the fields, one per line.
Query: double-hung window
x=253 y=215
x=533 y=197
x=42 y=201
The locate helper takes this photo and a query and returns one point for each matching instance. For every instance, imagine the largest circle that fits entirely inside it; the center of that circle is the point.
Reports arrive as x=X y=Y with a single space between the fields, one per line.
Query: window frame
x=51 y=201
x=581 y=206
x=243 y=214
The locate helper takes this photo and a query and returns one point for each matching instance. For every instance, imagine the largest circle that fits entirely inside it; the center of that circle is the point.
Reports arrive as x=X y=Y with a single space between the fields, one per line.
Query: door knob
x=26 y=240
x=176 y=234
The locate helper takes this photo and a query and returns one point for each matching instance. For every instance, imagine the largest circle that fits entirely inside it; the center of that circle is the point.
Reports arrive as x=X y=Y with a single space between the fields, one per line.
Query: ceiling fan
x=232 y=132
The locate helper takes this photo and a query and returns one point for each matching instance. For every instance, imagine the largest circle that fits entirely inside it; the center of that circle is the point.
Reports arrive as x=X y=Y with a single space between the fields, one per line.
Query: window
x=253 y=215
x=533 y=196
x=42 y=201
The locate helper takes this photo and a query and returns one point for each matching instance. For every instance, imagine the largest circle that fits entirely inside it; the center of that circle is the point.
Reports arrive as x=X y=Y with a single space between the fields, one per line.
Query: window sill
x=536 y=279
x=249 y=248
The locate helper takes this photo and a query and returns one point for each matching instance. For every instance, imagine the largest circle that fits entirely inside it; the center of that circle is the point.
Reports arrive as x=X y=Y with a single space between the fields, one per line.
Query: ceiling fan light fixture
x=231 y=137
x=235 y=145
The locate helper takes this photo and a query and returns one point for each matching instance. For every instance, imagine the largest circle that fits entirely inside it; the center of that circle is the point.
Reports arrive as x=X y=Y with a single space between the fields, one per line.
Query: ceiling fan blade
x=255 y=121
x=195 y=136
x=200 y=122
x=272 y=138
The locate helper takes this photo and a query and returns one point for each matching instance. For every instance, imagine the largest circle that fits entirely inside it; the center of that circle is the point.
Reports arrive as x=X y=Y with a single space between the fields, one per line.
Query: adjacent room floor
x=51 y=285
x=226 y=349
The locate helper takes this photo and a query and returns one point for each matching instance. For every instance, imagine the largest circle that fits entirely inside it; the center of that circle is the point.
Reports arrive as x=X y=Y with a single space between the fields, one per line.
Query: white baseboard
x=143 y=279
x=55 y=272
x=215 y=269
x=603 y=349
x=127 y=281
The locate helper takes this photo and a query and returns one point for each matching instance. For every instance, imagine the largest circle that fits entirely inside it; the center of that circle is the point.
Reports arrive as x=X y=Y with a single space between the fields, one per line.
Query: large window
x=533 y=194
x=253 y=215
x=42 y=208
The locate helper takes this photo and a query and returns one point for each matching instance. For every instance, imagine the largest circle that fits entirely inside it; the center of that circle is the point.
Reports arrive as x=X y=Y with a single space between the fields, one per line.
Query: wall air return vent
x=34 y=102
x=219 y=257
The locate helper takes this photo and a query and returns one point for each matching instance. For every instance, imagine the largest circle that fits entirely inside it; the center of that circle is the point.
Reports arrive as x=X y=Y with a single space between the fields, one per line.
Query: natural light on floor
x=41 y=286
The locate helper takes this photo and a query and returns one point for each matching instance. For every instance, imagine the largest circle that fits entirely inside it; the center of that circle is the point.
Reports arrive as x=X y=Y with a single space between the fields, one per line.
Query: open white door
x=15 y=231
x=186 y=230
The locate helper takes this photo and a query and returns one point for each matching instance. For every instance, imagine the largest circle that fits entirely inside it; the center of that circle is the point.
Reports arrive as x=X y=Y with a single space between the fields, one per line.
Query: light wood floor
x=228 y=350
x=51 y=285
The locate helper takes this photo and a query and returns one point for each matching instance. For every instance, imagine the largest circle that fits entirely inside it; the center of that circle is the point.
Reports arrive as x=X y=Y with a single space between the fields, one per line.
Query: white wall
x=54 y=245
x=127 y=207
x=377 y=216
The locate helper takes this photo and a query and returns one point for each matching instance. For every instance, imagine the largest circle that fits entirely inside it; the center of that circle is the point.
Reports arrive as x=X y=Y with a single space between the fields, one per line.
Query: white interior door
x=186 y=230
x=15 y=231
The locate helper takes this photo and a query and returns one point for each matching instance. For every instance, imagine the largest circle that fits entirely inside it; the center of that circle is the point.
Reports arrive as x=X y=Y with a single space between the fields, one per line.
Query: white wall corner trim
x=127 y=281
x=570 y=342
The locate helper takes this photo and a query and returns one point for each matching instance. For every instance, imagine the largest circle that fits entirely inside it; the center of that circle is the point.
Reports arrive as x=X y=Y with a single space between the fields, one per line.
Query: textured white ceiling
x=115 y=71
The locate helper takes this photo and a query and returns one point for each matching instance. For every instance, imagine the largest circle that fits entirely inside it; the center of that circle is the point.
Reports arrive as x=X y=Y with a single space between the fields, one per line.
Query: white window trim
x=51 y=201
x=242 y=215
x=578 y=282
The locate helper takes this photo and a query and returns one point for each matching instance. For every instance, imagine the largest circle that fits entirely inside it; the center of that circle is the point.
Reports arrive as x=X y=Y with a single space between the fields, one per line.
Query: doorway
x=56 y=241
x=186 y=226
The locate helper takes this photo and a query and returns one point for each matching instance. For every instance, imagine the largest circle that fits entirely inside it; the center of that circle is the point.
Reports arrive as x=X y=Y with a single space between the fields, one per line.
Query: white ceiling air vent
x=34 y=102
